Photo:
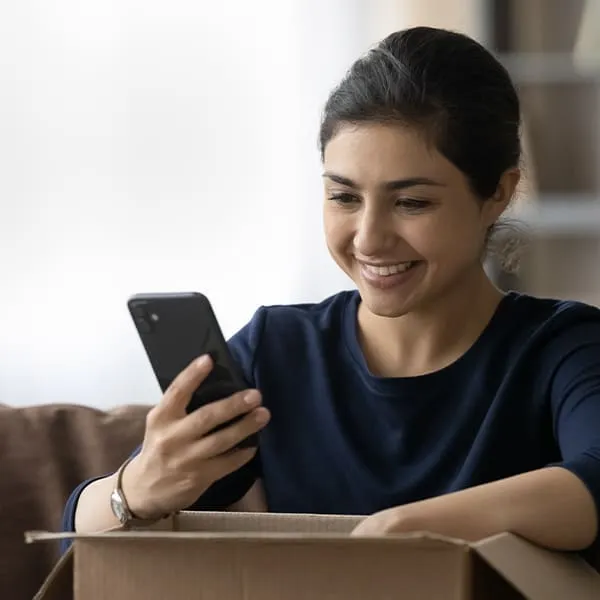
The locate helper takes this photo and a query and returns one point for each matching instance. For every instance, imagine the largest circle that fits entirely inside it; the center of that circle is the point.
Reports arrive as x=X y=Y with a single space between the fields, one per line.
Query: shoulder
x=549 y=317
x=278 y=328
x=548 y=331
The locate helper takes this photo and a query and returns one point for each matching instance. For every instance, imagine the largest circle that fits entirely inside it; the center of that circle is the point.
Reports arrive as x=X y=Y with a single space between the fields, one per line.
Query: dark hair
x=447 y=85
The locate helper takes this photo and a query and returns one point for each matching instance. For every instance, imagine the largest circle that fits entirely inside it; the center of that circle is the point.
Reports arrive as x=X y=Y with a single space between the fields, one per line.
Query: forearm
x=550 y=507
x=93 y=512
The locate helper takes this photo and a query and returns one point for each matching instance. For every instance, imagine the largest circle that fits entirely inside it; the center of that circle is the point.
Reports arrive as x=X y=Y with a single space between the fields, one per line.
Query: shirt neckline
x=443 y=375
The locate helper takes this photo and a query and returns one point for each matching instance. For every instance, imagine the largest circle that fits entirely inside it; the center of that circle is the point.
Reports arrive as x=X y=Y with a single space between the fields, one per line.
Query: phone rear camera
x=138 y=311
x=143 y=319
x=143 y=325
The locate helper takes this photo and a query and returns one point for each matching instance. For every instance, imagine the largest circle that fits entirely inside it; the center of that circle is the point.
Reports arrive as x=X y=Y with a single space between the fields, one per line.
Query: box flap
x=538 y=573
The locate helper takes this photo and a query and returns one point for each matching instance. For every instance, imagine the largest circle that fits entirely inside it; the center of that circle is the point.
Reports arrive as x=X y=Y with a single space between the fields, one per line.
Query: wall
x=466 y=16
x=151 y=146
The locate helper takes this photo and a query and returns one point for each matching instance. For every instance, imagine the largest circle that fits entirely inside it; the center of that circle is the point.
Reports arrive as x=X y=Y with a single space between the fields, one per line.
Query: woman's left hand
x=399 y=519
x=453 y=515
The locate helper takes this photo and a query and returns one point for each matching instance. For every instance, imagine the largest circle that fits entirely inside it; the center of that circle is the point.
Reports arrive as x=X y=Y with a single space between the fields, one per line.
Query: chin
x=393 y=302
x=390 y=308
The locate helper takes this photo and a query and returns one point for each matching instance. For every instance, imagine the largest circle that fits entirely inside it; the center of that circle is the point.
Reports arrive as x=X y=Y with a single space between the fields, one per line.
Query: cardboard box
x=254 y=556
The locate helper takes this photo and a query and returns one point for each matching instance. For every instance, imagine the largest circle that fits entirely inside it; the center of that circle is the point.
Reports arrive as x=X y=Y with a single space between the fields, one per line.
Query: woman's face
x=400 y=219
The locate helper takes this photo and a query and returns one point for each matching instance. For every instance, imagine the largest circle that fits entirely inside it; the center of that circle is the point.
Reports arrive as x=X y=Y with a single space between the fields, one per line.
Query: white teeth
x=388 y=269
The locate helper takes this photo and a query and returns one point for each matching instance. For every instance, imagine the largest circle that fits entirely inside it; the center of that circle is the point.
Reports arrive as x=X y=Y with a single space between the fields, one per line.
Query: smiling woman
x=426 y=399
x=402 y=220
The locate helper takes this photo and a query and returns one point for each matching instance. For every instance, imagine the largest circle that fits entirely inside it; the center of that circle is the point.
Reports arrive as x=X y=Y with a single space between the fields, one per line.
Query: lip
x=388 y=263
x=388 y=281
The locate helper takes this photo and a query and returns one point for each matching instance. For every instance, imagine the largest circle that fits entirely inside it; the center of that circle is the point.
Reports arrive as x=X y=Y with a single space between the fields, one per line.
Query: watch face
x=116 y=504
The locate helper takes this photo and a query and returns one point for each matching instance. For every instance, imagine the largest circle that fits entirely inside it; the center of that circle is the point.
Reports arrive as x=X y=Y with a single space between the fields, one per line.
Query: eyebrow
x=396 y=184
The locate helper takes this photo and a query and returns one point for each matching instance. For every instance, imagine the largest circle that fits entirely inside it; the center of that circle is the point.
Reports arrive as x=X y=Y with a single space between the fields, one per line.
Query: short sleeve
x=244 y=345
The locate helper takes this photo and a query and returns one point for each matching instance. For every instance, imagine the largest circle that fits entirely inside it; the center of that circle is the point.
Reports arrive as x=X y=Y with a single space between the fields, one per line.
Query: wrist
x=137 y=497
x=467 y=514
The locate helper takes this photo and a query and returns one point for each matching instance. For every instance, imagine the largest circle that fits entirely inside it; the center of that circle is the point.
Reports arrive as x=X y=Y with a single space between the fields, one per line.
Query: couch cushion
x=46 y=451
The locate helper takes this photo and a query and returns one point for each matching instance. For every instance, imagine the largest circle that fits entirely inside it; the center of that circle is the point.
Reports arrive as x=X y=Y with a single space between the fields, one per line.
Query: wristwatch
x=120 y=507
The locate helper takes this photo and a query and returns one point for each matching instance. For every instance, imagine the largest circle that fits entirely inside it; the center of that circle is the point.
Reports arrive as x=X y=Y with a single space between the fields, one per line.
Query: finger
x=179 y=393
x=224 y=440
x=221 y=466
x=210 y=416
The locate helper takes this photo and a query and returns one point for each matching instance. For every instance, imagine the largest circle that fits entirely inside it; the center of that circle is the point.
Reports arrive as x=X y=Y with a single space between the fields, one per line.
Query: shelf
x=543 y=67
x=577 y=215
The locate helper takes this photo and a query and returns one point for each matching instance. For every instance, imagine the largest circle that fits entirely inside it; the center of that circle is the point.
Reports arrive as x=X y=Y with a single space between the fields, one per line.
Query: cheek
x=446 y=239
x=338 y=231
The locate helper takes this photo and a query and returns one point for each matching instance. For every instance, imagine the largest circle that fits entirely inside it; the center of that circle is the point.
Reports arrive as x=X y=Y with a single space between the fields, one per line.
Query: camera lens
x=142 y=318
x=143 y=325
x=138 y=311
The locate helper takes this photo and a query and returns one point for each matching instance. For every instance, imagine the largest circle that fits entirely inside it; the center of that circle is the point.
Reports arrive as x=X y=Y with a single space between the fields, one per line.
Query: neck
x=432 y=337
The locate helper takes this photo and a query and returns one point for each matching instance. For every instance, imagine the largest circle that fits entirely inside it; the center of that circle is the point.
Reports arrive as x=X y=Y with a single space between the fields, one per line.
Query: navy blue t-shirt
x=341 y=440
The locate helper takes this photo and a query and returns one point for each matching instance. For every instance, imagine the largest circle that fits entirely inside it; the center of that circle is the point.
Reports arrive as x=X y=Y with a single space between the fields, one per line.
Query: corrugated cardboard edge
x=423 y=538
x=539 y=573
x=250 y=525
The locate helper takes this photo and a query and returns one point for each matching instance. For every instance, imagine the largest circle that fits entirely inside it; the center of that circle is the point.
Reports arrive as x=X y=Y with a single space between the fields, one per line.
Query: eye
x=412 y=204
x=343 y=198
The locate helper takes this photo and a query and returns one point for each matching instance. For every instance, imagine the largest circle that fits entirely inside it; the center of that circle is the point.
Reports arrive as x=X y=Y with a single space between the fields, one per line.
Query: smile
x=387 y=270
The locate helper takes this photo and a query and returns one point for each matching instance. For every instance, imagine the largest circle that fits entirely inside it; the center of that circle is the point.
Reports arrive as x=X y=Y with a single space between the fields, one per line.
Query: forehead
x=373 y=151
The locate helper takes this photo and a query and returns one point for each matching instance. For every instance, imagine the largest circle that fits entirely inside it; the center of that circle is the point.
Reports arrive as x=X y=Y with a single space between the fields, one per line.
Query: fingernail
x=202 y=361
x=252 y=398
x=261 y=415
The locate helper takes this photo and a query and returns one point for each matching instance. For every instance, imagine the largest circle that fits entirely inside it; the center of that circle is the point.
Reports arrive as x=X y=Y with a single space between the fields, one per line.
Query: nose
x=374 y=234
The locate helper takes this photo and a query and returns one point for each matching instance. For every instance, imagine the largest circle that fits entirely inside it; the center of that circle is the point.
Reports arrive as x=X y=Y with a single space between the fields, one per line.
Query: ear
x=501 y=199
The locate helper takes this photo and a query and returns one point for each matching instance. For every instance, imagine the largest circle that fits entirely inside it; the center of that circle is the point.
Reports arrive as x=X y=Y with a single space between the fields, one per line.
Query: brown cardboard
x=257 y=556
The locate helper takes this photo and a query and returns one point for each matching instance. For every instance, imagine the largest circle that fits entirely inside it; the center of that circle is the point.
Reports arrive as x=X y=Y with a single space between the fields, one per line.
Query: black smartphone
x=175 y=329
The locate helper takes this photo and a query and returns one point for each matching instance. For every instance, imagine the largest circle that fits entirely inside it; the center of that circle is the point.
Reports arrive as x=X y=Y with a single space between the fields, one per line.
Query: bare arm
x=94 y=514
x=93 y=511
x=550 y=507
x=93 y=508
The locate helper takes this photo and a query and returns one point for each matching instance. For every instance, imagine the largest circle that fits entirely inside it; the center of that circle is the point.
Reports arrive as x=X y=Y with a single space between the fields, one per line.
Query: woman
x=426 y=399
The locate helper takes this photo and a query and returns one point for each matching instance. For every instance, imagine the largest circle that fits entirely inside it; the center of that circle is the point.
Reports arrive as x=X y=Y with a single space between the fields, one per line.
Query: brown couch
x=46 y=451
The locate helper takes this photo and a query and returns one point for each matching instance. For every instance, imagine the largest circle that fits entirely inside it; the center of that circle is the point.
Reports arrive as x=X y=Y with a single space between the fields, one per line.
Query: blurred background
x=167 y=146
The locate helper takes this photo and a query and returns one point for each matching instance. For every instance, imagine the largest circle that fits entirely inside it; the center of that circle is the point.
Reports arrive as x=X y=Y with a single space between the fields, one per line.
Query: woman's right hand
x=181 y=457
